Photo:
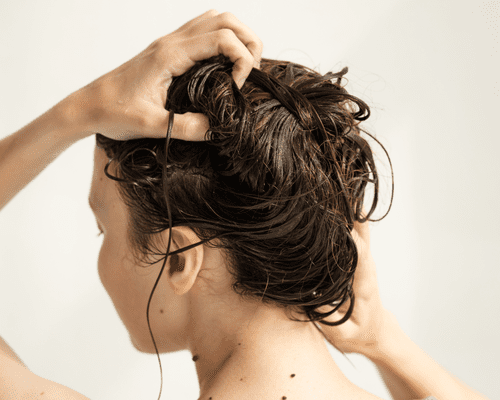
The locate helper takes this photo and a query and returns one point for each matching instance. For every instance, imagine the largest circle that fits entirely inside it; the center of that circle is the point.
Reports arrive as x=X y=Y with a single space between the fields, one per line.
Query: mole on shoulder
x=283 y=398
x=161 y=311
x=239 y=344
x=195 y=357
x=292 y=376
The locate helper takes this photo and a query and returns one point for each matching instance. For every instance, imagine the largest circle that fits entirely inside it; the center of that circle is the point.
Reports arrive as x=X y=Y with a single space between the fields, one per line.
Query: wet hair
x=278 y=184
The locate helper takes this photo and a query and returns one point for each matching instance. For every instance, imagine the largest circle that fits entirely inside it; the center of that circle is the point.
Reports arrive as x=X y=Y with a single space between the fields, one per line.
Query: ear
x=183 y=268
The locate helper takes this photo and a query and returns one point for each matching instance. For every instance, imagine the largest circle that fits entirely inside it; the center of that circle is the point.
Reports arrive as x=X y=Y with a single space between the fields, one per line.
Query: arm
x=410 y=373
x=26 y=153
x=23 y=155
x=126 y=103
x=129 y=102
x=374 y=332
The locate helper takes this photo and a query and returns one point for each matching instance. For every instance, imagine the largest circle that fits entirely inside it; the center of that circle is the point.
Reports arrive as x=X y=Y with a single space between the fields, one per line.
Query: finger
x=243 y=32
x=190 y=126
x=198 y=19
x=225 y=42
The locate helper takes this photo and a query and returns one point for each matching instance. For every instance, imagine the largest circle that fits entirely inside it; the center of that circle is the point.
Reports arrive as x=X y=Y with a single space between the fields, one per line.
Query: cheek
x=103 y=266
x=129 y=289
x=115 y=277
x=113 y=266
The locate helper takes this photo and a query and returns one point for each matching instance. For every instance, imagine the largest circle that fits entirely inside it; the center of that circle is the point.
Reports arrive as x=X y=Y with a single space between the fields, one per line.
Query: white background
x=430 y=72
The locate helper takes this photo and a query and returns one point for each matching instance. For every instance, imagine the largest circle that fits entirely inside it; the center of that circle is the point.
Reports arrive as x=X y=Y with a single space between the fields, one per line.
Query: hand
x=370 y=322
x=129 y=102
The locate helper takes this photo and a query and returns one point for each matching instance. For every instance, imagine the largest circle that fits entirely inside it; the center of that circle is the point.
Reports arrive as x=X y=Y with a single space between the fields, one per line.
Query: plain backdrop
x=428 y=69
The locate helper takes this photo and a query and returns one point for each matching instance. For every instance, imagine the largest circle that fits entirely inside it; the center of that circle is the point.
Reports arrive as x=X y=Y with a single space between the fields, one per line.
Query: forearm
x=410 y=373
x=25 y=153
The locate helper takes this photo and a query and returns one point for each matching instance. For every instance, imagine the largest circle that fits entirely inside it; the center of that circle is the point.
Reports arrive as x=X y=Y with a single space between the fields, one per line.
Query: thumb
x=189 y=126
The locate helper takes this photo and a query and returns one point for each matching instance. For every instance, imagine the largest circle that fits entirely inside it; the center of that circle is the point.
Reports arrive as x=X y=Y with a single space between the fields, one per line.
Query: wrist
x=391 y=340
x=74 y=116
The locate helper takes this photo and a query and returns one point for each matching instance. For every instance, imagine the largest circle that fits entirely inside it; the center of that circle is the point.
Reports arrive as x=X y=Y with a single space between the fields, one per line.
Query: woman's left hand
x=370 y=326
x=129 y=102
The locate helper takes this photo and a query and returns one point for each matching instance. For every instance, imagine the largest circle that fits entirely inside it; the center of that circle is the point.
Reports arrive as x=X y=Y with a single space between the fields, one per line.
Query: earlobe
x=185 y=266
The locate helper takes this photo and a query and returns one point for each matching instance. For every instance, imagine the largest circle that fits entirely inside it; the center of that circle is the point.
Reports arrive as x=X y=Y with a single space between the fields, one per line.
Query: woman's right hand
x=370 y=324
x=129 y=102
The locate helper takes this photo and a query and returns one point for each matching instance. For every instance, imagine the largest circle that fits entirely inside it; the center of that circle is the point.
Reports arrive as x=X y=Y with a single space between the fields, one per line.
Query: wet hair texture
x=279 y=183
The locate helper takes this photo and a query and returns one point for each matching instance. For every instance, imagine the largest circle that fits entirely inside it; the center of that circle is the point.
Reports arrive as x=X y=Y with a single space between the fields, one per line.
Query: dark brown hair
x=279 y=182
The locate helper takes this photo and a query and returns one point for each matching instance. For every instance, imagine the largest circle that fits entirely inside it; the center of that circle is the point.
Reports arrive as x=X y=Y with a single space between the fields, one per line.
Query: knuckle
x=162 y=42
x=260 y=45
x=225 y=34
x=154 y=47
x=228 y=18
x=212 y=13
x=157 y=45
x=256 y=47
x=248 y=58
x=154 y=44
x=159 y=56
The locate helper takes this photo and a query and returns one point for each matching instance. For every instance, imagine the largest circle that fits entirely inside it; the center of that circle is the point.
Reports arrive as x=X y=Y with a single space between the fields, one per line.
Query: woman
x=229 y=247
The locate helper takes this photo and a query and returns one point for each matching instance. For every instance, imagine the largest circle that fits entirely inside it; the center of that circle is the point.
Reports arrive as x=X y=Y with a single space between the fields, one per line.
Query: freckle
x=195 y=358
x=283 y=398
x=239 y=344
x=292 y=376
x=161 y=311
x=41 y=394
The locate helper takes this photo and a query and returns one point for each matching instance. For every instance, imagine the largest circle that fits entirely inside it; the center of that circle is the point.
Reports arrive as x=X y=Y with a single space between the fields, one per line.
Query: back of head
x=279 y=183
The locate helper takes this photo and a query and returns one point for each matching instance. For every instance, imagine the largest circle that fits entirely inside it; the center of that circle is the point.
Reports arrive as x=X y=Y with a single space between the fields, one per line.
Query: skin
x=240 y=346
x=242 y=349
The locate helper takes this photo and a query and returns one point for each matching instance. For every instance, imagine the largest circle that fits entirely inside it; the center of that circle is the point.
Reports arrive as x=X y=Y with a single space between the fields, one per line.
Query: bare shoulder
x=309 y=391
x=45 y=389
x=18 y=382
x=312 y=395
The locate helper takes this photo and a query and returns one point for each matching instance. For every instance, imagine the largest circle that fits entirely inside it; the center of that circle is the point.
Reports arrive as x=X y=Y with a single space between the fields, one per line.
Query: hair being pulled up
x=279 y=182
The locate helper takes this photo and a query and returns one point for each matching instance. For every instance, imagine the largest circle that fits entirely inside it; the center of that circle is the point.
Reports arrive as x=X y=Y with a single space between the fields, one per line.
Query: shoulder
x=308 y=391
x=312 y=395
x=18 y=382
x=45 y=389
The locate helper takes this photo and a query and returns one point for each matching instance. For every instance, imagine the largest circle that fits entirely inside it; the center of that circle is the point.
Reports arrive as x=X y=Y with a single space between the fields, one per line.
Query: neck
x=258 y=347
